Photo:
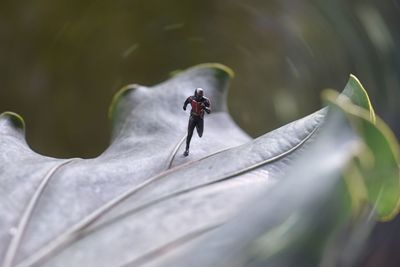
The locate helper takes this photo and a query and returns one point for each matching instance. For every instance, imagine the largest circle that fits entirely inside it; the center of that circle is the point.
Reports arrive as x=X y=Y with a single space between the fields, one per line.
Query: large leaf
x=141 y=198
x=192 y=197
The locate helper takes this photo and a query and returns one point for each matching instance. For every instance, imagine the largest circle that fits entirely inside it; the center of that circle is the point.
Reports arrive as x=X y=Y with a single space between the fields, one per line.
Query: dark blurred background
x=62 y=61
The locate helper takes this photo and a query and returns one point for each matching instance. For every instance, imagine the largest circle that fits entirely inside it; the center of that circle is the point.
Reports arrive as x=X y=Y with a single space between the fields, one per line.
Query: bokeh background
x=62 y=61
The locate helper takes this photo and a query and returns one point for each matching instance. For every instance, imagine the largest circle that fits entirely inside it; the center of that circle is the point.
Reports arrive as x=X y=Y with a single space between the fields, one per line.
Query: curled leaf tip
x=174 y=73
x=216 y=66
x=352 y=76
x=121 y=93
x=16 y=120
x=357 y=93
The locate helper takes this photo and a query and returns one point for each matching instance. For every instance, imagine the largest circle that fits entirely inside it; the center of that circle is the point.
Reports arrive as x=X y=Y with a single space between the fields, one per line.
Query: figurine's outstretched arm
x=207 y=106
x=187 y=101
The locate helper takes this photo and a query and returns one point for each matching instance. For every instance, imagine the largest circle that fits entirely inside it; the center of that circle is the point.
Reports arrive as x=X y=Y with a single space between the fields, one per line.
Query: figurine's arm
x=207 y=106
x=187 y=101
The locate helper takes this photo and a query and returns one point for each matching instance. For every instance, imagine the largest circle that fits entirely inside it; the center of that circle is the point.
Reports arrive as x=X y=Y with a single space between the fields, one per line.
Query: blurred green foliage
x=62 y=61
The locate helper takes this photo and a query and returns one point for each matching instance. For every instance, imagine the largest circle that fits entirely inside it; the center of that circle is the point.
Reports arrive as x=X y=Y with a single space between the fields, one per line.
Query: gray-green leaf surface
x=142 y=203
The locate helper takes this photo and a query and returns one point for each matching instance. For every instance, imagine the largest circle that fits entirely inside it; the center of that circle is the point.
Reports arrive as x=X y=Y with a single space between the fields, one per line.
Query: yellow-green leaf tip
x=217 y=66
x=123 y=91
x=15 y=119
x=359 y=96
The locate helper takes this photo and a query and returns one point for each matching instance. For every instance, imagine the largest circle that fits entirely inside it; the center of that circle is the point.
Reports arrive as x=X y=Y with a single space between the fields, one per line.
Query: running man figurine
x=199 y=104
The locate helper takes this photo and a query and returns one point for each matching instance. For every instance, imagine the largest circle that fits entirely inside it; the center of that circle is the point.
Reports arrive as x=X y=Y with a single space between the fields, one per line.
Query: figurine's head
x=199 y=92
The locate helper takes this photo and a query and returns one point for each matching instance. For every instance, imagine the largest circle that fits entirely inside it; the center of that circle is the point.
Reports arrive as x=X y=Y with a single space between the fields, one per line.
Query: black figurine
x=199 y=104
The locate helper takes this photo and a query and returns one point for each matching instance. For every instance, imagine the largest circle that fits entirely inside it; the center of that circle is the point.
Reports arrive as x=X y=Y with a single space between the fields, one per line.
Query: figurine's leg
x=200 y=127
x=191 y=126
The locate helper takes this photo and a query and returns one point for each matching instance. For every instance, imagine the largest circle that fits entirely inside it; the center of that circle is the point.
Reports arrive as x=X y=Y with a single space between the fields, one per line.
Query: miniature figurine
x=199 y=104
